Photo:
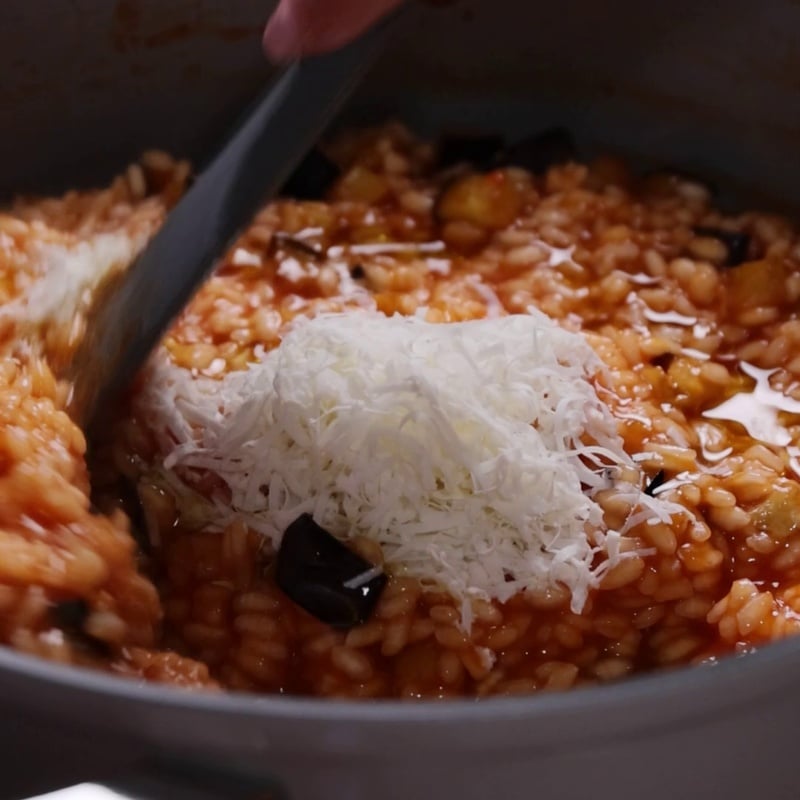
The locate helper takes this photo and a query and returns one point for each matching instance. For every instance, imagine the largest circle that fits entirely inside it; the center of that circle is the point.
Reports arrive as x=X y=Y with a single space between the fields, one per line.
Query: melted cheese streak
x=461 y=448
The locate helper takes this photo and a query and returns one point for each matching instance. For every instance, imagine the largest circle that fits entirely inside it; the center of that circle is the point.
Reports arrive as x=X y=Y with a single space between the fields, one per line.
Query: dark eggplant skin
x=70 y=616
x=657 y=480
x=485 y=152
x=737 y=244
x=321 y=575
x=287 y=242
x=357 y=272
x=312 y=179
x=479 y=150
x=541 y=151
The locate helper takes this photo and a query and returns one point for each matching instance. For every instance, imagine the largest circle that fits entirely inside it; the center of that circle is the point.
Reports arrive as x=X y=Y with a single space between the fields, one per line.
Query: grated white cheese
x=559 y=255
x=385 y=248
x=458 y=447
x=245 y=258
x=494 y=308
x=295 y=271
x=69 y=274
x=439 y=266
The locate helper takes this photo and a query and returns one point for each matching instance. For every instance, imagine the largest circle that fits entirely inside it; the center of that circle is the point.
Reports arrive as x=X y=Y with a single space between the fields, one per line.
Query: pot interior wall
x=85 y=85
x=711 y=88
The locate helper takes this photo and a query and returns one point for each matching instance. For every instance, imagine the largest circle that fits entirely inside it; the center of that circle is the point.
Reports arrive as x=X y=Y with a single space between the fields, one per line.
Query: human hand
x=308 y=27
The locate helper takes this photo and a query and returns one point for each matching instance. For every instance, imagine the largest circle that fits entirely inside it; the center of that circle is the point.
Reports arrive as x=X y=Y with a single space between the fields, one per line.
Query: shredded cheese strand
x=470 y=451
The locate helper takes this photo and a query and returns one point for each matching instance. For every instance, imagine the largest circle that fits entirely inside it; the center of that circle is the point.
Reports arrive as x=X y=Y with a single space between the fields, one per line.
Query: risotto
x=458 y=420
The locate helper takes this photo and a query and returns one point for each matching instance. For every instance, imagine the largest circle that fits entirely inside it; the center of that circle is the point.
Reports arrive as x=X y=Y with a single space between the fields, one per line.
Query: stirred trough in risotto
x=462 y=419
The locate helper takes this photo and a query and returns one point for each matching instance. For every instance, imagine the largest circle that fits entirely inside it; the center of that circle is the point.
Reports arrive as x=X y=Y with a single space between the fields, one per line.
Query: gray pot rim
x=698 y=690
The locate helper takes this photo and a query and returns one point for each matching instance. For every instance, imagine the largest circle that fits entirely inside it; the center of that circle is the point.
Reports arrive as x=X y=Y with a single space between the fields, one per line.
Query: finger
x=307 y=27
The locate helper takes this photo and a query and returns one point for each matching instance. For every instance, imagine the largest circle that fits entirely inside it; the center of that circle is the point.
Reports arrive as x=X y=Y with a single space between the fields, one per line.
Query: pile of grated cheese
x=58 y=273
x=459 y=447
x=69 y=275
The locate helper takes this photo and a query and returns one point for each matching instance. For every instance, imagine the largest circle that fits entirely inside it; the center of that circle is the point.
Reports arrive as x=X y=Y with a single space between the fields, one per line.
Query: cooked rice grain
x=591 y=246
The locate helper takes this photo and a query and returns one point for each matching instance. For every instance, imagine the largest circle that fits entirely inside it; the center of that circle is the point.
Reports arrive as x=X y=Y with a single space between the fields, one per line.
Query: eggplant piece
x=362 y=185
x=357 y=272
x=665 y=181
x=70 y=616
x=479 y=151
x=663 y=360
x=487 y=200
x=540 y=152
x=736 y=244
x=658 y=480
x=312 y=179
x=324 y=577
x=290 y=242
x=758 y=283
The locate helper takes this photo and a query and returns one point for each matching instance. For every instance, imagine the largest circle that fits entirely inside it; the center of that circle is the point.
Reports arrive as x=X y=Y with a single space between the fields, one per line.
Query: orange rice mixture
x=613 y=255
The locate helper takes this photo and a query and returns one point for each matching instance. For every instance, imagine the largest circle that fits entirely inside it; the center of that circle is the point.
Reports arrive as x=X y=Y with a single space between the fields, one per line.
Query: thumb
x=307 y=27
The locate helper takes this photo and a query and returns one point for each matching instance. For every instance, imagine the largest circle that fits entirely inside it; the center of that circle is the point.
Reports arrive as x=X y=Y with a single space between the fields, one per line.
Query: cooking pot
x=713 y=88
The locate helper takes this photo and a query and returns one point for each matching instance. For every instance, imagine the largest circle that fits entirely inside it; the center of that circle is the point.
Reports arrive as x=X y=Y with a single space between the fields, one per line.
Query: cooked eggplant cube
x=540 y=152
x=667 y=181
x=300 y=247
x=486 y=200
x=312 y=179
x=655 y=483
x=357 y=272
x=478 y=151
x=70 y=615
x=736 y=244
x=324 y=577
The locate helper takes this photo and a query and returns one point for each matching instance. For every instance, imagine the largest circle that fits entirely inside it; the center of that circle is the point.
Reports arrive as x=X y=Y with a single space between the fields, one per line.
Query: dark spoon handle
x=253 y=165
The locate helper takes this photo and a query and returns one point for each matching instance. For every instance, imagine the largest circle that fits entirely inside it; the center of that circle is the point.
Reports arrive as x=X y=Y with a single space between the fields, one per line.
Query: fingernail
x=282 y=38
